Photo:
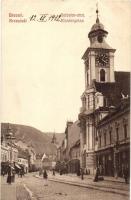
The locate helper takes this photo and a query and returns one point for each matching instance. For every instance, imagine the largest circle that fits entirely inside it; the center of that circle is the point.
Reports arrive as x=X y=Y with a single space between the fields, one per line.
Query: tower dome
x=97 y=26
x=97 y=29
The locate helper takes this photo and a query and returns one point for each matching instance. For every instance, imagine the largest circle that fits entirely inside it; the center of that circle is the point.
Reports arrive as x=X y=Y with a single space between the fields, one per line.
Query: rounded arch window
x=102 y=75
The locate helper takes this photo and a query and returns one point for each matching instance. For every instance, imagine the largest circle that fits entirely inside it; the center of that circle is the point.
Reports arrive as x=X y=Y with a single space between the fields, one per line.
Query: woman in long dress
x=45 y=177
x=9 y=175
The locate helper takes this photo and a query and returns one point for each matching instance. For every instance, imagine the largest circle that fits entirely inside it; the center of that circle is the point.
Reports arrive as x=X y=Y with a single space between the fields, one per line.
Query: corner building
x=113 y=152
x=103 y=91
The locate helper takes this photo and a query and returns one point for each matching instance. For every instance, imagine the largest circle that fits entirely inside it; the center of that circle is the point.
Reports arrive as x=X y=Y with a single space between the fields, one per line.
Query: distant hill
x=30 y=136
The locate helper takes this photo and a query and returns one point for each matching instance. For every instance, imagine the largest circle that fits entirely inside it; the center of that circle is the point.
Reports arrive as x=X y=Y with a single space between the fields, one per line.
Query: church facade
x=104 y=89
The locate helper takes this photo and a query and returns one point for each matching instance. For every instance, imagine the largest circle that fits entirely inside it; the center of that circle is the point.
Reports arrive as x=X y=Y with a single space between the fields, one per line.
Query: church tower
x=99 y=75
x=99 y=57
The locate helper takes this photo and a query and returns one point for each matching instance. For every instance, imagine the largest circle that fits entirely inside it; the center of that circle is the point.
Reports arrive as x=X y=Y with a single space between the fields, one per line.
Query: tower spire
x=97 y=11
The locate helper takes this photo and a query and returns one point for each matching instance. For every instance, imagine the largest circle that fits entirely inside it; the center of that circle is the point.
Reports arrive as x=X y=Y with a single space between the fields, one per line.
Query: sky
x=42 y=70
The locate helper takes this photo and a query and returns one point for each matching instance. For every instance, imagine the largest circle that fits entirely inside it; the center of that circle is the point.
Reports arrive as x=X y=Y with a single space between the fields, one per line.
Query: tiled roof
x=123 y=106
x=114 y=91
x=74 y=133
x=123 y=79
x=97 y=26
x=99 y=45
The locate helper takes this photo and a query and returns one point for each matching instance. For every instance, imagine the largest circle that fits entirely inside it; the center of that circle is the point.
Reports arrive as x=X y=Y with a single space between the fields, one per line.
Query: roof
x=123 y=78
x=124 y=106
x=115 y=90
x=97 y=30
x=102 y=45
x=97 y=26
x=77 y=144
x=74 y=133
x=44 y=157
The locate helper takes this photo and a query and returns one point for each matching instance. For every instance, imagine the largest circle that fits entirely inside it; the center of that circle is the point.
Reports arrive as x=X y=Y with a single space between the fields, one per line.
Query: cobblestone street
x=30 y=187
x=60 y=191
x=15 y=191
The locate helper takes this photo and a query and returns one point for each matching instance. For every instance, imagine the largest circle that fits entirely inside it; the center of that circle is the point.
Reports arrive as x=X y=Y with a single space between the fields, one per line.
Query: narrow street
x=58 y=191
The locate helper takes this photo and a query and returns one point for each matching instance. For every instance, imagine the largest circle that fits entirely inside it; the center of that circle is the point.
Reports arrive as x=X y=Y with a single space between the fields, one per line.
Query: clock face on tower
x=102 y=59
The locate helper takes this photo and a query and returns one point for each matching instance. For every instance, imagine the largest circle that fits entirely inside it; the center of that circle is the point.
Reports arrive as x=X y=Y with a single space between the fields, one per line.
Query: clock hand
x=103 y=60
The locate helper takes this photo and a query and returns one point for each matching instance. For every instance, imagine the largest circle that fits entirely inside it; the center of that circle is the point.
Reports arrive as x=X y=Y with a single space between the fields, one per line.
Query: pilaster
x=112 y=78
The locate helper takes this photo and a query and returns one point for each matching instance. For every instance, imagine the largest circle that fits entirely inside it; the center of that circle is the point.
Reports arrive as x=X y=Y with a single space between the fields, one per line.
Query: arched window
x=102 y=75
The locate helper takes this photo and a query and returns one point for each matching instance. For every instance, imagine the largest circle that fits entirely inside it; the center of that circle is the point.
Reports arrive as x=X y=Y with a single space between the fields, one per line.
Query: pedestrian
x=61 y=172
x=3 y=173
x=82 y=173
x=45 y=177
x=21 y=173
x=100 y=168
x=40 y=172
x=18 y=173
x=13 y=175
x=126 y=174
x=9 y=174
x=97 y=173
x=53 y=172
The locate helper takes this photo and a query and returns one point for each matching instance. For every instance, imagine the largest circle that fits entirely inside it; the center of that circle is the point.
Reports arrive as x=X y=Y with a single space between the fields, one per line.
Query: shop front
x=104 y=160
x=74 y=166
x=121 y=159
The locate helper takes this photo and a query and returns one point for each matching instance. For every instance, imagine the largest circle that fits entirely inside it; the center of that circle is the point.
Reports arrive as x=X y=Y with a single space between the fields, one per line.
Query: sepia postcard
x=65 y=99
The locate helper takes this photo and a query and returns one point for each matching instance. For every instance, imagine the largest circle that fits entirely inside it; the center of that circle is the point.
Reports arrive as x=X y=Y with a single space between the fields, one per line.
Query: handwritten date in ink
x=45 y=18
